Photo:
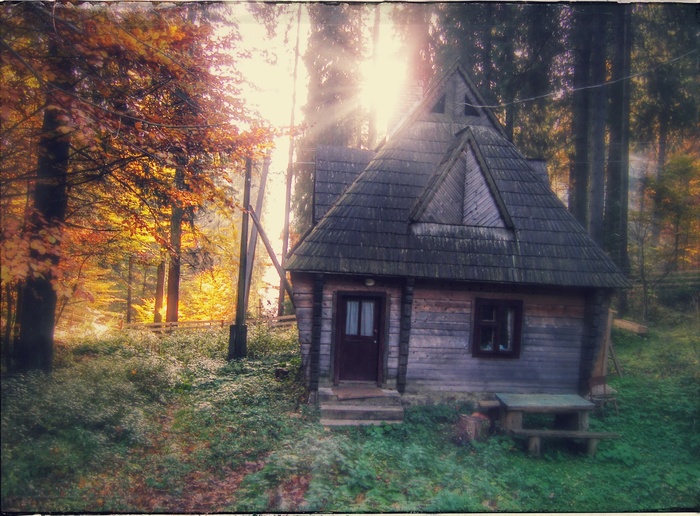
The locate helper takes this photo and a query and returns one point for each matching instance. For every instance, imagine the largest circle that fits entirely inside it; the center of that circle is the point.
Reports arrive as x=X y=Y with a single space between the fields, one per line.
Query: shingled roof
x=336 y=169
x=449 y=197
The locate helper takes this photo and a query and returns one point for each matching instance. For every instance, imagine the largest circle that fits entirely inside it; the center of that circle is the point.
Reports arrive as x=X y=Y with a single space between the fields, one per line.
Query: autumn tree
x=95 y=97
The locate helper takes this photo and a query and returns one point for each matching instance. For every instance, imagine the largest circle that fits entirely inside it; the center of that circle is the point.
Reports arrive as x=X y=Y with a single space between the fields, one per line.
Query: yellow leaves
x=38 y=246
x=14 y=257
x=4 y=274
x=28 y=254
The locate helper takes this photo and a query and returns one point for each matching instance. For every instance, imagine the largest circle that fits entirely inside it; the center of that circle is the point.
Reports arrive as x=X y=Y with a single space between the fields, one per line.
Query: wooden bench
x=535 y=436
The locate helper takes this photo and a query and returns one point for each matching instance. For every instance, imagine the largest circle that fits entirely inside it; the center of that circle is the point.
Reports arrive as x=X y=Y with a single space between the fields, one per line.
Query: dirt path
x=203 y=491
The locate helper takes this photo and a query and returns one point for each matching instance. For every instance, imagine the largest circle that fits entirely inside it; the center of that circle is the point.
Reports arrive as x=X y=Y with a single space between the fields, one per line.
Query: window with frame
x=498 y=327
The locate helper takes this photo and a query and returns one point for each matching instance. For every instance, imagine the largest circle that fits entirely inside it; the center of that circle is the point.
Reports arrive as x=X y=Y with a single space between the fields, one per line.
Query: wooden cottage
x=443 y=262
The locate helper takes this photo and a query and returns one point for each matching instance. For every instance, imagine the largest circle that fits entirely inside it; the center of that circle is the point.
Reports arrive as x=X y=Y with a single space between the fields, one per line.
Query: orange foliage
x=141 y=92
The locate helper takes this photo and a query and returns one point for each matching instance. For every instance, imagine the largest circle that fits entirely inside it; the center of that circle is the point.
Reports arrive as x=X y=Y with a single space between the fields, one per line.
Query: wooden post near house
x=238 y=332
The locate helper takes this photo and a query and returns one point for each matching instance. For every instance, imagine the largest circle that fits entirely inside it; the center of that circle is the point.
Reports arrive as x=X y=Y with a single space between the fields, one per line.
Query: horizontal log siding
x=303 y=300
x=440 y=345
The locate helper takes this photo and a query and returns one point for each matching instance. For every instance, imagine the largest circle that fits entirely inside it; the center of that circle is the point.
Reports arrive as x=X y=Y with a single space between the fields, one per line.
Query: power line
x=567 y=91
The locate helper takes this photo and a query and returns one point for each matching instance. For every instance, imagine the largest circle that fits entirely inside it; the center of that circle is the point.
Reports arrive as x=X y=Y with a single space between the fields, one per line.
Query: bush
x=264 y=341
x=56 y=427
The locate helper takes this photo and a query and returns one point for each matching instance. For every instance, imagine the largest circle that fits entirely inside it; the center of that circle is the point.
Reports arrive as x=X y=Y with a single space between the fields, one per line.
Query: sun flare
x=384 y=79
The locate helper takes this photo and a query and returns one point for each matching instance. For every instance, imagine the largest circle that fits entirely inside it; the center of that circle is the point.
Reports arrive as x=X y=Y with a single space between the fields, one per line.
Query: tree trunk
x=129 y=289
x=660 y=165
x=486 y=54
x=578 y=179
x=290 y=167
x=510 y=86
x=372 y=129
x=597 y=138
x=617 y=192
x=37 y=318
x=160 y=291
x=10 y=322
x=144 y=281
x=173 y=301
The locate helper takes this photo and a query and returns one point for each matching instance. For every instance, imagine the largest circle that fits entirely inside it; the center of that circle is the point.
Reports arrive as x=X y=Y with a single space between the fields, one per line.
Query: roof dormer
x=461 y=191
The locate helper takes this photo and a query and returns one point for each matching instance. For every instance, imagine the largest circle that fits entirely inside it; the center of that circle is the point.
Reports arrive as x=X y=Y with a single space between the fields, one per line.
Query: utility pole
x=252 y=244
x=238 y=332
x=290 y=168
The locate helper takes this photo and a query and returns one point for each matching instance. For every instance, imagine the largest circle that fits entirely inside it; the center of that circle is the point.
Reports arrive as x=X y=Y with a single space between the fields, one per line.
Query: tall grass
x=109 y=397
x=417 y=466
x=99 y=402
x=139 y=423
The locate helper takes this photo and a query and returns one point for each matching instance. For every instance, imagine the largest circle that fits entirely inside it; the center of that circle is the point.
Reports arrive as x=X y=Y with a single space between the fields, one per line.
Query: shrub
x=55 y=427
x=264 y=341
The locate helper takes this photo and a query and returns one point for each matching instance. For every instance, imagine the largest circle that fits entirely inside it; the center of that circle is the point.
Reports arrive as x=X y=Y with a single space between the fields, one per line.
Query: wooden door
x=358 y=351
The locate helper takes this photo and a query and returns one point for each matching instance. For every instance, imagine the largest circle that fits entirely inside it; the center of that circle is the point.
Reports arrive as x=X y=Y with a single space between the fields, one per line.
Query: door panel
x=358 y=343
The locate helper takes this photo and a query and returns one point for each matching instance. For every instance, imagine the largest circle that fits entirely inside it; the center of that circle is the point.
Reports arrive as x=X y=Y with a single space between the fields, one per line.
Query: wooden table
x=571 y=410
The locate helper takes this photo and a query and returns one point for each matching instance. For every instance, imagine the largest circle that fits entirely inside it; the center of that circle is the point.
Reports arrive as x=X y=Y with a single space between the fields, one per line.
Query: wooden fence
x=163 y=327
x=284 y=321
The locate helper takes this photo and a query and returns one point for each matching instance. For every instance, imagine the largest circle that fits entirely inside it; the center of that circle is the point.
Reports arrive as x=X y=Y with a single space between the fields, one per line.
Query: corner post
x=316 y=326
x=405 y=333
x=596 y=323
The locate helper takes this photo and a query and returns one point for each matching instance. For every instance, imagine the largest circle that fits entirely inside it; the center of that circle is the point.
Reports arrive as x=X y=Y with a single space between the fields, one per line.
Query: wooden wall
x=303 y=298
x=439 y=350
x=440 y=345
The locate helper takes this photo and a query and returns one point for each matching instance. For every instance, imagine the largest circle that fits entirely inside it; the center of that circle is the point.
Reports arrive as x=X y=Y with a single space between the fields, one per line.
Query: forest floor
x=136 y=423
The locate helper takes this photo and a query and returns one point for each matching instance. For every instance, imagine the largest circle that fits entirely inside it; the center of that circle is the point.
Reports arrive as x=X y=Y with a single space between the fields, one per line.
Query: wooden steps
x=356 y=405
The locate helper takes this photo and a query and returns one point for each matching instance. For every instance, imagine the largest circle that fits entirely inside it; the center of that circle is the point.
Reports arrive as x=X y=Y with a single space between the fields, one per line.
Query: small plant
x=432 y=414
x=266 y=341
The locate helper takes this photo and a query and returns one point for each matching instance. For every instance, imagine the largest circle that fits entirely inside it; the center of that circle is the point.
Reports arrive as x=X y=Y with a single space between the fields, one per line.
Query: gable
x=460 y=195
x=456 y=100
x=453 y=100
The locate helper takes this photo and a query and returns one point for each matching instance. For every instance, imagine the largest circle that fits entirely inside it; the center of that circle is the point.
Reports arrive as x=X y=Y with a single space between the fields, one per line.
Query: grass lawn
x=136 y=423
